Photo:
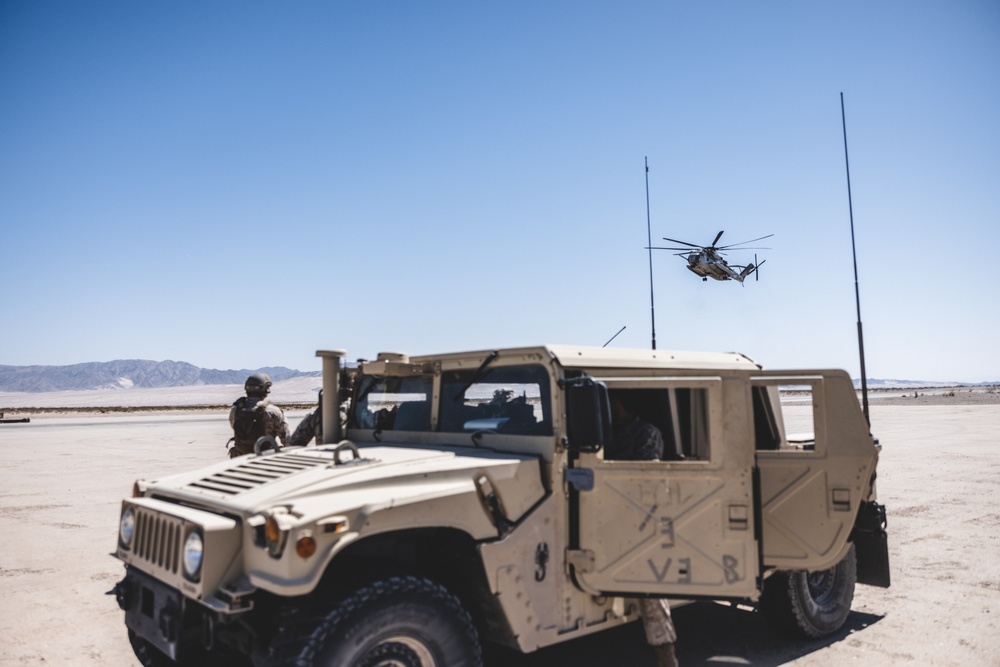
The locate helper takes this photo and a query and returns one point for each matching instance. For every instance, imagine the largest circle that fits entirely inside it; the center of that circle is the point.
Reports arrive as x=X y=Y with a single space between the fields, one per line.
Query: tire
x=398 y=622
x=811 y=604
x=148 y=655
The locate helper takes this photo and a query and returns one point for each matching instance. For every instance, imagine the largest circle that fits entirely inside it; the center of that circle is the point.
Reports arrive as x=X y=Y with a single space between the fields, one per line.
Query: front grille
x=255 y=472
x=157 y=540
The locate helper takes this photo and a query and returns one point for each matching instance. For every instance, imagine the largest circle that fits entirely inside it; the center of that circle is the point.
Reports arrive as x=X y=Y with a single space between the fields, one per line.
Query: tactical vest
x=248 y=425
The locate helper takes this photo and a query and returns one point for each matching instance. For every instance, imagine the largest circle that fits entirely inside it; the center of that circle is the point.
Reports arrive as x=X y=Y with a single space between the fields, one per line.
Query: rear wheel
x=813 y=604
x=398 y=622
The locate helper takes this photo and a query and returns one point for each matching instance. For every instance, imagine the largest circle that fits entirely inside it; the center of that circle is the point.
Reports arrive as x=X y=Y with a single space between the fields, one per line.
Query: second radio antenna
x=649 y=246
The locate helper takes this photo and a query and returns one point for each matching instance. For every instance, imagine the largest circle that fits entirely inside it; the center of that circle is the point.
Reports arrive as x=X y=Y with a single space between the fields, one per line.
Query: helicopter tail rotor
x=753 y=267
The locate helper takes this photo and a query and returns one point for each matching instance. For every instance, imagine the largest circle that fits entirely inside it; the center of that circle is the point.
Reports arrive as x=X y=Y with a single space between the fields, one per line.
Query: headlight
x=275 y=536
x=126 y=529
x=194 y=548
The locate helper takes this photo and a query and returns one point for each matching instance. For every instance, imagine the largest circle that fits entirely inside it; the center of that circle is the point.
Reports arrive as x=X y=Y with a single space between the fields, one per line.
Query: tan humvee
x=466 y=498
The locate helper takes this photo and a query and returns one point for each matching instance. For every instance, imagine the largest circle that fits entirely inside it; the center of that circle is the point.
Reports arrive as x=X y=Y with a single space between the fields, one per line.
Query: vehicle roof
x=572 y=356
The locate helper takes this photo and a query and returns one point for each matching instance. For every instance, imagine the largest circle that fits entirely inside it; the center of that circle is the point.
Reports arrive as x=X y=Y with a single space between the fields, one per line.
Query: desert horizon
x=302 y=392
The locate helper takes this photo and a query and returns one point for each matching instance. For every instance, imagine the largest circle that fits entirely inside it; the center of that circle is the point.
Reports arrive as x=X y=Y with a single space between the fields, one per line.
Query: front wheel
x=399 y=622
x=813 y=604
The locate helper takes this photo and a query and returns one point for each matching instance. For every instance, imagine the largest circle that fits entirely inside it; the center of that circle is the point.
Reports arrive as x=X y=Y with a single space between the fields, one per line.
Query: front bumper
x=154 y=611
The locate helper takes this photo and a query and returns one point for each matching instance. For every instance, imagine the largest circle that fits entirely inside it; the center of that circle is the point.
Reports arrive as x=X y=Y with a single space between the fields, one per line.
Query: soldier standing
x=637 y=440
x=253 y=416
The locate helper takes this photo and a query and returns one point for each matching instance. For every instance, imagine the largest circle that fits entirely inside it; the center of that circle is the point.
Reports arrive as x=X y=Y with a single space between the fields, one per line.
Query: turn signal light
x=305 y=547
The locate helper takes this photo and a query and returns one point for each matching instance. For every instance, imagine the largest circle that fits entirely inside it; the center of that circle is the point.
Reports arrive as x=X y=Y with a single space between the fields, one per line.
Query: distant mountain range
x=126 y=373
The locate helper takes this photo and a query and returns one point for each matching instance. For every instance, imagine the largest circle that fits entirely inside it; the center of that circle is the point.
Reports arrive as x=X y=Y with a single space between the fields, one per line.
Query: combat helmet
x=258 y=384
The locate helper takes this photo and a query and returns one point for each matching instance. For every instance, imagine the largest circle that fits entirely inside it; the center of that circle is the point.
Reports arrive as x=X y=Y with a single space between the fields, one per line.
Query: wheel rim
x=399 y=651
x=821 y=584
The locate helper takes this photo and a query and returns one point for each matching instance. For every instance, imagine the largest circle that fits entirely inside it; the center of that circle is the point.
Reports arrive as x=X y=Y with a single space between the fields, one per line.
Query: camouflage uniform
x=310 y=427
x=657 y=621
x=274 y=422
x=637 y=440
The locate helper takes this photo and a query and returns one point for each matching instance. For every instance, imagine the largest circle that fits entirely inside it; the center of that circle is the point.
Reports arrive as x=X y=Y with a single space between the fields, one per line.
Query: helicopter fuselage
x=709 y=265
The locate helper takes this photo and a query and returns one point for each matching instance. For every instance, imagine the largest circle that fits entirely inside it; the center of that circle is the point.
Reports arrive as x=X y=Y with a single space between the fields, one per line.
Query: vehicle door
x=816 y=461
x=681 y=527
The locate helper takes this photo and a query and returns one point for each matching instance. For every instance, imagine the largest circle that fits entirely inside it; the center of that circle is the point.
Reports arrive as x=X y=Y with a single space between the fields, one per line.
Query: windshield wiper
x=478 y=375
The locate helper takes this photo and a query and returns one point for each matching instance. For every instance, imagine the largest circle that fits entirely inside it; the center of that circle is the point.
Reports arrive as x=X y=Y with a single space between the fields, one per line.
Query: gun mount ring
x=341 y=446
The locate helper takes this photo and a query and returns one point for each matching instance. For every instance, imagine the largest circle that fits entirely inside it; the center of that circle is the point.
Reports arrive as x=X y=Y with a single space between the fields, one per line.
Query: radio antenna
x=857 y=293
x=649 y=247
x=613 y=337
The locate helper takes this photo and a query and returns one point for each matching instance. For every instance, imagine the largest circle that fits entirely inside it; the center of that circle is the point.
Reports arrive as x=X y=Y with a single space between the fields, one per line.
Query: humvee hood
x=384 y=476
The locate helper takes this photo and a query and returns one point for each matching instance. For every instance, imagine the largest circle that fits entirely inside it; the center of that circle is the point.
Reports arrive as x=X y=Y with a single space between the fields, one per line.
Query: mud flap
x=871 y=543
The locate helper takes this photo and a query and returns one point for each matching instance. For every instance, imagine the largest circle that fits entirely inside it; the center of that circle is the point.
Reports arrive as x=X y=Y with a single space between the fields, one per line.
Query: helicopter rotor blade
x=731 y=245
x=717 y=237
x=684 y=252
x=693 y=245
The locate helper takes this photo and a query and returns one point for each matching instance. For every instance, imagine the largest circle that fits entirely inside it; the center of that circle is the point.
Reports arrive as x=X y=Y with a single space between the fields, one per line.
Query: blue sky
x=237 y=185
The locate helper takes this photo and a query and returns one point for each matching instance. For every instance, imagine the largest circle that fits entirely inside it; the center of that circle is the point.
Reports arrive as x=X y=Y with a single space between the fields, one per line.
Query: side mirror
x=588 y=413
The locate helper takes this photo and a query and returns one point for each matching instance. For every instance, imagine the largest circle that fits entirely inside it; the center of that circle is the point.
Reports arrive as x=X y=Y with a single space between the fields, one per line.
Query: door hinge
x=582 y=560
x=582 y=479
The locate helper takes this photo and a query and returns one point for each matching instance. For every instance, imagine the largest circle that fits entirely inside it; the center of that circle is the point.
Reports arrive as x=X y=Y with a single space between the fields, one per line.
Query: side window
x=393 y=403
x=798 y=415
x=690 y=430
x=784 y=415
x=675 y=416
x=514 y=400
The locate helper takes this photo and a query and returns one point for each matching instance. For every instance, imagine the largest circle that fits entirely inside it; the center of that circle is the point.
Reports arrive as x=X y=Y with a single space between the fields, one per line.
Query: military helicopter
x=707 y=261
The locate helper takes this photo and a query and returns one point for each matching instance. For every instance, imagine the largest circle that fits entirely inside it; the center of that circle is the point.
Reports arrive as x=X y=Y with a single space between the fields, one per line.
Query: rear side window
x=786 y=413
x=514 y=400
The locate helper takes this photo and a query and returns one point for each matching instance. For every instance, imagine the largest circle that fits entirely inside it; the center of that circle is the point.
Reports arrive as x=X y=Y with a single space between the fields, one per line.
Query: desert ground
x=63 y=474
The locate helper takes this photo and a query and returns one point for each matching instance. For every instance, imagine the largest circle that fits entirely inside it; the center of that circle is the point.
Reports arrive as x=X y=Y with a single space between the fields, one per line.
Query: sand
x=62 y=478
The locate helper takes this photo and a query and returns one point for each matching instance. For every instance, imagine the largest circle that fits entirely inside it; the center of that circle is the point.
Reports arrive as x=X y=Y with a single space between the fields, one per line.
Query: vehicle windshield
x=393 y=403
x=514 y=400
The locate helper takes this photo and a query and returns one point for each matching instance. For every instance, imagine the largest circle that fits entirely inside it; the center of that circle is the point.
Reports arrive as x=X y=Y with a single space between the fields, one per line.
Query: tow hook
x=169 y=622
x=208 y=633
x=123 y=594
